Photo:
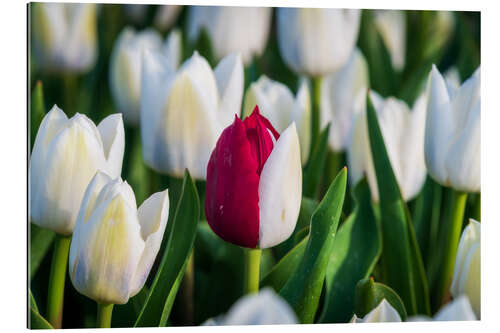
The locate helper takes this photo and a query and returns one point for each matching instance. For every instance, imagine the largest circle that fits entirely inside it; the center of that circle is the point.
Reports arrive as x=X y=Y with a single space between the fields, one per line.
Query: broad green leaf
x=32 y=301
x=315 y=165
x=180 y=243
x=369 y=294
x=282 y=271
x=356 y=249
x=401 y=258
x=302 y=291
x=40 y=242
x=37 y=111
x=37 y=321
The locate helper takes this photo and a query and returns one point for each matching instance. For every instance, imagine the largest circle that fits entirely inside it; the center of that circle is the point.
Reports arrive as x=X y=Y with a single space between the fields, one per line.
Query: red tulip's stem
x=104 y=312
x=57 y=280
x=252 y=269
x=315 y=115
x=453 y=221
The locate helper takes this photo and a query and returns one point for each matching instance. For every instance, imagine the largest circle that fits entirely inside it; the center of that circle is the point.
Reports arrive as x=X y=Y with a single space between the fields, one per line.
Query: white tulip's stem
x=104 y=312
x=252 y=270
x=452 y=228
x=57 y=280
x=315 y=116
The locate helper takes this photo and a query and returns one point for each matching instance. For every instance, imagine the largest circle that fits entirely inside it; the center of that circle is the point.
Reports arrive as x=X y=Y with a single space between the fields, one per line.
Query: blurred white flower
x=232 y=29
x=453 y=132
x=457 y=310
x=403 y=133
x=114 y=244
x=183 y=112
x=64 y=36
x=166 y=16
x=66 y=155
x=339 y=92
x=264 y=308
x=452 y=78
x=467 y=274
x=384 y=312
x=316 y=41
x=126 y=64
x=277 y=103
x=391 y=25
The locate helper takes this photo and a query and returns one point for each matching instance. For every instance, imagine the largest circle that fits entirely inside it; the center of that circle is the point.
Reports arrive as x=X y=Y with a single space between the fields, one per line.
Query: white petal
x=392 y=26
x=153 y=217
x=301 y=115
x=280 y=190
x=384 y=312
x=359 y=152
x=458 y=309
x=113 y=139
x=229 y=77
x=172 y=49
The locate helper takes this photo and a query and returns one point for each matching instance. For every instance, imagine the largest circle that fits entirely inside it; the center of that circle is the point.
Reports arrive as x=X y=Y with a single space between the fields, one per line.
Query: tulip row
x=257 y=179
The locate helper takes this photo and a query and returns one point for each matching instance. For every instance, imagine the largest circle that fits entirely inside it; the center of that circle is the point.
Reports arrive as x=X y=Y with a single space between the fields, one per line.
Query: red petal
x=232 y=198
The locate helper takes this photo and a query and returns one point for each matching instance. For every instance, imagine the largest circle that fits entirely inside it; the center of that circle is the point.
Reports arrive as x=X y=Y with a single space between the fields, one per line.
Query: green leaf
x=356 y=249
x=315 y=165
x=282 y=271
x=401 y=258
x=37 y=111
x=40 y=242
x=204 y=46
x=303 y=289
x=32 y=301
x=37 y=321
x=174 y=259
x=369 y=294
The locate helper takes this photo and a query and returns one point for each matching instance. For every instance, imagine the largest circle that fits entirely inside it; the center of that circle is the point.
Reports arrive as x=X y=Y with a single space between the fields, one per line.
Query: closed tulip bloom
x=264 y=308
x=339 y=92
x=126 y=64
x=65 y=36
x=453 y=132
x=66 y=155
x=254 y=183
x=391 y=24
x=467 y=274
x=183 y=112
x=384 y=312
x=457 y=310
x=115 y=244
x=232 y=29
x=403 y=133
x=277 y=103
x=316 y=41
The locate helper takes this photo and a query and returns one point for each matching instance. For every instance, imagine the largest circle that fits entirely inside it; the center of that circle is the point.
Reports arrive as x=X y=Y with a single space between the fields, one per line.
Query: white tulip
x=384 y=312
x=403 y=133
x=66 y=155
x=183 y=112
x=453 y=132
x=458 y=309
x=65 y=36
x=467 y=274
x=166 y=16
x=339 y=92
x=391 y=24
x=316 y=41
x=232 y=29
x=126 y=64
x=264 y=308
x=277 y=103
x=114 y=244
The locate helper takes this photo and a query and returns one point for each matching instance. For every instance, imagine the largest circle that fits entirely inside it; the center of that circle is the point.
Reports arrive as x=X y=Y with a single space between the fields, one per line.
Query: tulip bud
x=403 y=133
x=264 y=308
x=384 y=312
x=166 y=16
x=254 y=183
x=316 y=41
x=458 y=309
x=276 y=102
x=64 y=36
x=453 y=132
x=126 y=63
x=114 y=244
x=183 y=112
x=339 y=92
x=391 y=25
x=66 y=155
x=232 y=29
x=467 y=274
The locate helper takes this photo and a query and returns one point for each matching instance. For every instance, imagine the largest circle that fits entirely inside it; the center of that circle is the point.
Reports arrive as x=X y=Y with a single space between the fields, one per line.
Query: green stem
x=315 y=116
x=455 y=208
x=186 y=293
x=104 y=312
x=252 y=269
x=57 y=280
x=477 y=208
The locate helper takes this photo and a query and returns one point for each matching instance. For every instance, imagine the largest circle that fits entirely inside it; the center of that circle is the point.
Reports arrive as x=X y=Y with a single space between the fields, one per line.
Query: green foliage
x=37 y=111
x=315 y=166
x=40 y=242
x=369 y=294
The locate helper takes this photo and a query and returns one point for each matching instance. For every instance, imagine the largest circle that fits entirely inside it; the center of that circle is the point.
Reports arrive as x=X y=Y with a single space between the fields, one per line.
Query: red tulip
x=254 y=183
